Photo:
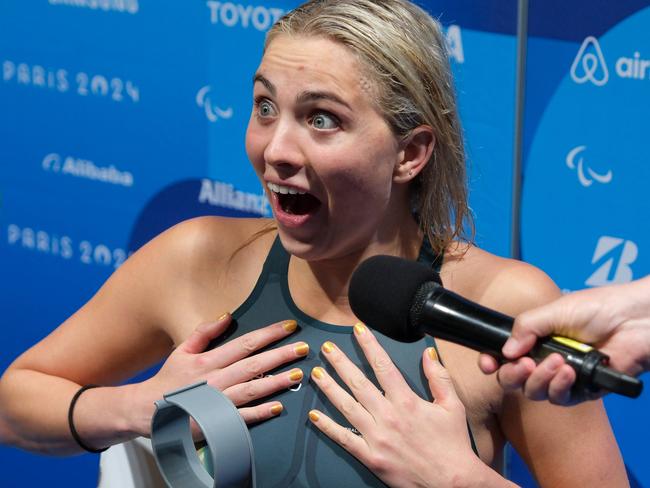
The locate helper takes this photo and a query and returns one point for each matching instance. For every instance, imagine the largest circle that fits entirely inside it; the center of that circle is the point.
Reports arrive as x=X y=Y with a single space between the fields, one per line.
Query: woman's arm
x=562 y=446
x=132 y=323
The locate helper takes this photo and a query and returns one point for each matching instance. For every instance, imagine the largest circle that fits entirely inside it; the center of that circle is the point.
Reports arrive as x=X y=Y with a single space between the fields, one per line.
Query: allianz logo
x=586 y=175
x=589 y=65
x=83 y=168
x=126 y=6
x=212 y=111
x=222 y=194
x=235 y=14
x=613 y=255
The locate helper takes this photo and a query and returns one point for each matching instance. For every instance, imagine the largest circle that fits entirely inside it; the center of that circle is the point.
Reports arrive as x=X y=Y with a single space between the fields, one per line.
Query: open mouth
x=293 y=201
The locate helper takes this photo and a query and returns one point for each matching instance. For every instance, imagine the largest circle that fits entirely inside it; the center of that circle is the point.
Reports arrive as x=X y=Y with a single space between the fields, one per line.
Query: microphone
x=405 y=299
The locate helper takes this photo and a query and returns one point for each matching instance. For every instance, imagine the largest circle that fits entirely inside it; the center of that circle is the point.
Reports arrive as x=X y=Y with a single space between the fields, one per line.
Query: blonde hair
x=403 y=50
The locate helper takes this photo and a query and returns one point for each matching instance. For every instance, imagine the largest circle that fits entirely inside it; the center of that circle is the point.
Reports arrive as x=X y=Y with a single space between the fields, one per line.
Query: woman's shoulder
x=198 y=268
x=203 y=253
x=505 y=284
x=211 y=237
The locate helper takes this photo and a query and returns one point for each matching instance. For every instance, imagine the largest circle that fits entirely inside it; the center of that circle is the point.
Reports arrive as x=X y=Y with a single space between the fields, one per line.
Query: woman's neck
x=320 y=288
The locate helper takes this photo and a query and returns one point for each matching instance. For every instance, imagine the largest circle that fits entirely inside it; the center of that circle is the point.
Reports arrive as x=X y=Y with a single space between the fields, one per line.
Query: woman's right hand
x=232 y=368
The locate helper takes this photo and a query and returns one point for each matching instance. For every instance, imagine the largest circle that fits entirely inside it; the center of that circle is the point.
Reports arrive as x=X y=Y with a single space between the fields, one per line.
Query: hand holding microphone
x=414 y=303
x=614 y=318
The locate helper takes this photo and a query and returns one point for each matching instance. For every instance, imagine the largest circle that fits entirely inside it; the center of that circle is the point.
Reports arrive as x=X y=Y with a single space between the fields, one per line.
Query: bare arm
x=562 y=446
x=130 y=324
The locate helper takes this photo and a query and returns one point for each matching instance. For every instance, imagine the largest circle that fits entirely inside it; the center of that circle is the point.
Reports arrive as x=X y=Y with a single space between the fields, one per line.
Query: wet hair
x=402 y=50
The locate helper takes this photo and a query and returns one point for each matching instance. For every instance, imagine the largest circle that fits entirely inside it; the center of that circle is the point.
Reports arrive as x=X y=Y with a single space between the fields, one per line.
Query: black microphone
x=405 y=300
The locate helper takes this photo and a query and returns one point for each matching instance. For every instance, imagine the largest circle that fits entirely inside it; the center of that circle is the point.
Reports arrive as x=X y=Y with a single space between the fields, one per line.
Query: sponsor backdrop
x=119 y=118
x=584 y=205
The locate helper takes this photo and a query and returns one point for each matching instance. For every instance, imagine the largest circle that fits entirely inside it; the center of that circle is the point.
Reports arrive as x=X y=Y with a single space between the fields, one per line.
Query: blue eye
x=324 y=121
x=264 y=108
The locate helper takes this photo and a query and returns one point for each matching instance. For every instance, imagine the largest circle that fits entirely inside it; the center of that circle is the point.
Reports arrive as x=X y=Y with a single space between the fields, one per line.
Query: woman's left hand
x=404 y=439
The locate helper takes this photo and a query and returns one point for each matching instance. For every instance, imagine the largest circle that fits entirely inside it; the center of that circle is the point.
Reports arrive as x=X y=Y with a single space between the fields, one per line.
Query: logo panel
x=212 y=111
x=586 y=175
x=615 y=255
x=589 y=64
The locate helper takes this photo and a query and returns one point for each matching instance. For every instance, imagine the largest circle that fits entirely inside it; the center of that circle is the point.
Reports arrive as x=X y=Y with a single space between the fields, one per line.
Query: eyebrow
x=267 y=84
x=306 y=96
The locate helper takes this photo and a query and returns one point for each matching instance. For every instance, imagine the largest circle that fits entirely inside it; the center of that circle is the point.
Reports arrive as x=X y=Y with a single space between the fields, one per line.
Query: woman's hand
x=404 y=439
x=231 y=368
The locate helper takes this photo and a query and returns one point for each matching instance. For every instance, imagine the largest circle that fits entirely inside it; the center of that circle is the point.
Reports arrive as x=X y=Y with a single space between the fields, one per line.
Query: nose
x=283 y=150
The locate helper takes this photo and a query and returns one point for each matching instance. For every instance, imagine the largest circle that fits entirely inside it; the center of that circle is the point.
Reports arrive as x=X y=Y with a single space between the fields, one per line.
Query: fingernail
x=433 y=355
x=313 y=416
x=301 y=349
x=295 y=374
x=328 y=346
x=318 y=372
x=277 y=408
x=554 y=363
x=223 y=317
x=359 y=328
x=290 y=325
x=509 y=347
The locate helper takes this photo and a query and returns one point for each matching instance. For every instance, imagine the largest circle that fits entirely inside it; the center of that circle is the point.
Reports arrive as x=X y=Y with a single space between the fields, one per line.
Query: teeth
x=283 y=189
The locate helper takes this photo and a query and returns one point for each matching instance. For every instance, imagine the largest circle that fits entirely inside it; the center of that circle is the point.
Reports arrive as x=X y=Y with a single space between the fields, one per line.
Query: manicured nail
x=313 y=416
x=359 y=328
x=301 y=349
x=328 y=346
x=295 y=374
x=290 y=325
x=223 y=317
x=433 y=355
x=277 y=408
x=318 y=372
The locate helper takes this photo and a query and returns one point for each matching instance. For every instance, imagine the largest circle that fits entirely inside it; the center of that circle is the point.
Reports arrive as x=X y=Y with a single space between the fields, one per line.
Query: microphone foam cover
x=382 y=290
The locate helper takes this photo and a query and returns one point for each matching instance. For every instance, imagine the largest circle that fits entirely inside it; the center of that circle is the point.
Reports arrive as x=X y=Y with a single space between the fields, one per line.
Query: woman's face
x=322 y=150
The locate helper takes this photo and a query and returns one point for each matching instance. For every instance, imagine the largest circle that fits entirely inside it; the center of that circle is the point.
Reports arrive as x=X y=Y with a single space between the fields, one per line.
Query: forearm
x=34 y=413
x=482 y=476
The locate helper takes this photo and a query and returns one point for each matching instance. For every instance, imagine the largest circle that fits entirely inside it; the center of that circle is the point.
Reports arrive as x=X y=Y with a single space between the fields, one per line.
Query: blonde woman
x=354 y=134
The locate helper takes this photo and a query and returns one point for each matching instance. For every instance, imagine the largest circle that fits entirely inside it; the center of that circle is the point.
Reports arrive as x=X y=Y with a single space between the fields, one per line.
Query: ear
x=415 y=152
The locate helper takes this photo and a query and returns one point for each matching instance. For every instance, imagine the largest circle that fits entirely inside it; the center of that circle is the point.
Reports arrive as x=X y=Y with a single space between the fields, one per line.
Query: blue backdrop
x=118 y=118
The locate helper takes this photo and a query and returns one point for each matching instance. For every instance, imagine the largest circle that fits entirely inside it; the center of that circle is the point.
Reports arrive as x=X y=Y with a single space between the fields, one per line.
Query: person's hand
x=614 y=319
x=232 y=368
x=404 y=439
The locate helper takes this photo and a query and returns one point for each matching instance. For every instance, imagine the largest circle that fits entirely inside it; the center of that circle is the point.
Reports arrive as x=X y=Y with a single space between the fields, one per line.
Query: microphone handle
x=449 y=316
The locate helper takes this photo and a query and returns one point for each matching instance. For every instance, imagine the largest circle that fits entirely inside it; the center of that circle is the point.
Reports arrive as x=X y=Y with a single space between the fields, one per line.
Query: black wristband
x=73 y=431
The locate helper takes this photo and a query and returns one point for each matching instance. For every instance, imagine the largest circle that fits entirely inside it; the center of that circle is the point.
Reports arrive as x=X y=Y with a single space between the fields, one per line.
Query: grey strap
x=225 y=432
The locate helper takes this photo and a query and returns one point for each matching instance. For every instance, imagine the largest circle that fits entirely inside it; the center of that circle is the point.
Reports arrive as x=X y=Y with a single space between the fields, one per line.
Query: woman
x=354 y=124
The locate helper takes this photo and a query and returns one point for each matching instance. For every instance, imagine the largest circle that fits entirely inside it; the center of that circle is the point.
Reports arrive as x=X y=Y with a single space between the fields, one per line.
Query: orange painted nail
x=328 y=346
x=295 y=374
x=432 y=353
x=290 y=325
x=359 y=328
x=223 y=317
x=318 y=372
x=313 y=415
x=277 y=409
x=301 y=349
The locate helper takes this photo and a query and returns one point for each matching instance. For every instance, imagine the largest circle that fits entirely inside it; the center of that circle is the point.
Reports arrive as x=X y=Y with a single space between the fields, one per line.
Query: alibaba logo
x=586 y=175
x=212 y=112
x=589 y=64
